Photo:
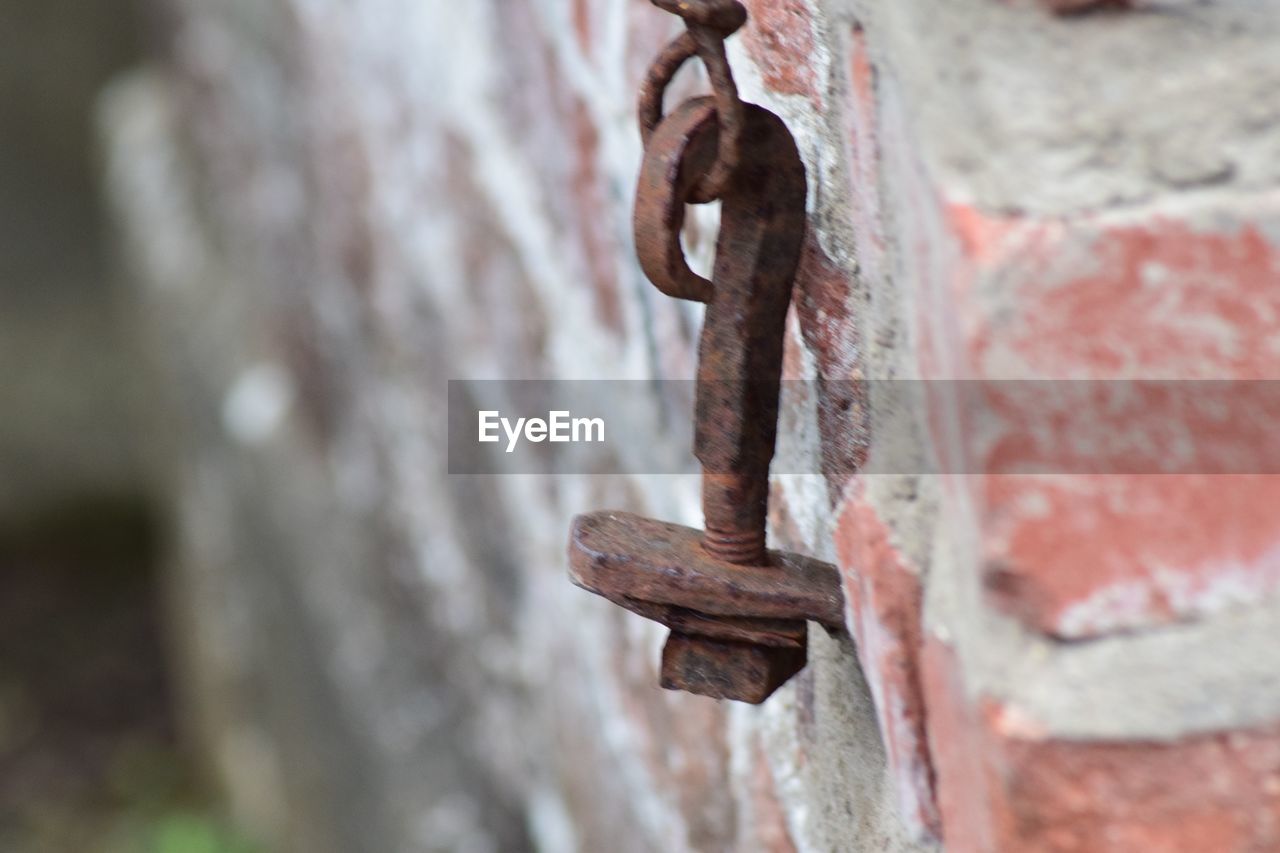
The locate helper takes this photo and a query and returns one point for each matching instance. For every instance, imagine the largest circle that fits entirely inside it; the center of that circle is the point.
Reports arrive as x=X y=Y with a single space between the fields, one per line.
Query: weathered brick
x=778 y=33
x=1004 y=788
x=1114 y=302
x=884 y=598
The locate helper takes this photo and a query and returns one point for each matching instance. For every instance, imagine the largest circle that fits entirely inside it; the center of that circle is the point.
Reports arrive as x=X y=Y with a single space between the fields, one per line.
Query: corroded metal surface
x=727 y=670
x=737 y=611
x=709 y=24
x=740 y=355
x=624 y=556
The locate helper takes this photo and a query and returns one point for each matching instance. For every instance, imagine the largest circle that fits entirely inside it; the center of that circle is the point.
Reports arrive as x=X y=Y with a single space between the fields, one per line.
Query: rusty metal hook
x=762 y=223
x=737 y=611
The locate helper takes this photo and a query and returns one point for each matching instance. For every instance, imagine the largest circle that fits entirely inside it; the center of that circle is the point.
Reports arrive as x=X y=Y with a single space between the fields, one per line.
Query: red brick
x=1001 y=790
x=779 y=39
x=884 y=600
x=823 y=302
x=582 y=23
x=1081 y=556
x=590 y=196
x=556 y=130
x=958 y=754
x=1156 y=298
x=771 y=832
x=1092 y=299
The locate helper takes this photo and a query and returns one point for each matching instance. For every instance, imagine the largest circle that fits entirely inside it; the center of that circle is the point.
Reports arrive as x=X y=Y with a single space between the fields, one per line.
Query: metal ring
x=657 y=78
x=709 y=47
x=683 y=147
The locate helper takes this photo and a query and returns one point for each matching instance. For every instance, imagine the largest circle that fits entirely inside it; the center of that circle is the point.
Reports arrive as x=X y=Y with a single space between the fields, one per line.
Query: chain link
x=708 y=23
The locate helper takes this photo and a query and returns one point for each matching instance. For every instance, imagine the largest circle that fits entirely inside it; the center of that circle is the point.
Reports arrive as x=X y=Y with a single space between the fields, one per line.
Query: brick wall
x=337 y=207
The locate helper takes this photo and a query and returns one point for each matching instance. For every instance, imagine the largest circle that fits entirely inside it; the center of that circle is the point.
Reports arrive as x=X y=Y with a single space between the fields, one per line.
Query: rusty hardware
x=737 y=611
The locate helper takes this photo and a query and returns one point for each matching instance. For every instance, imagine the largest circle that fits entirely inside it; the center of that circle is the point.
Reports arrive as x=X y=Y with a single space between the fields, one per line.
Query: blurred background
x=91 y=757
x=243 y=608
x=247 y=246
